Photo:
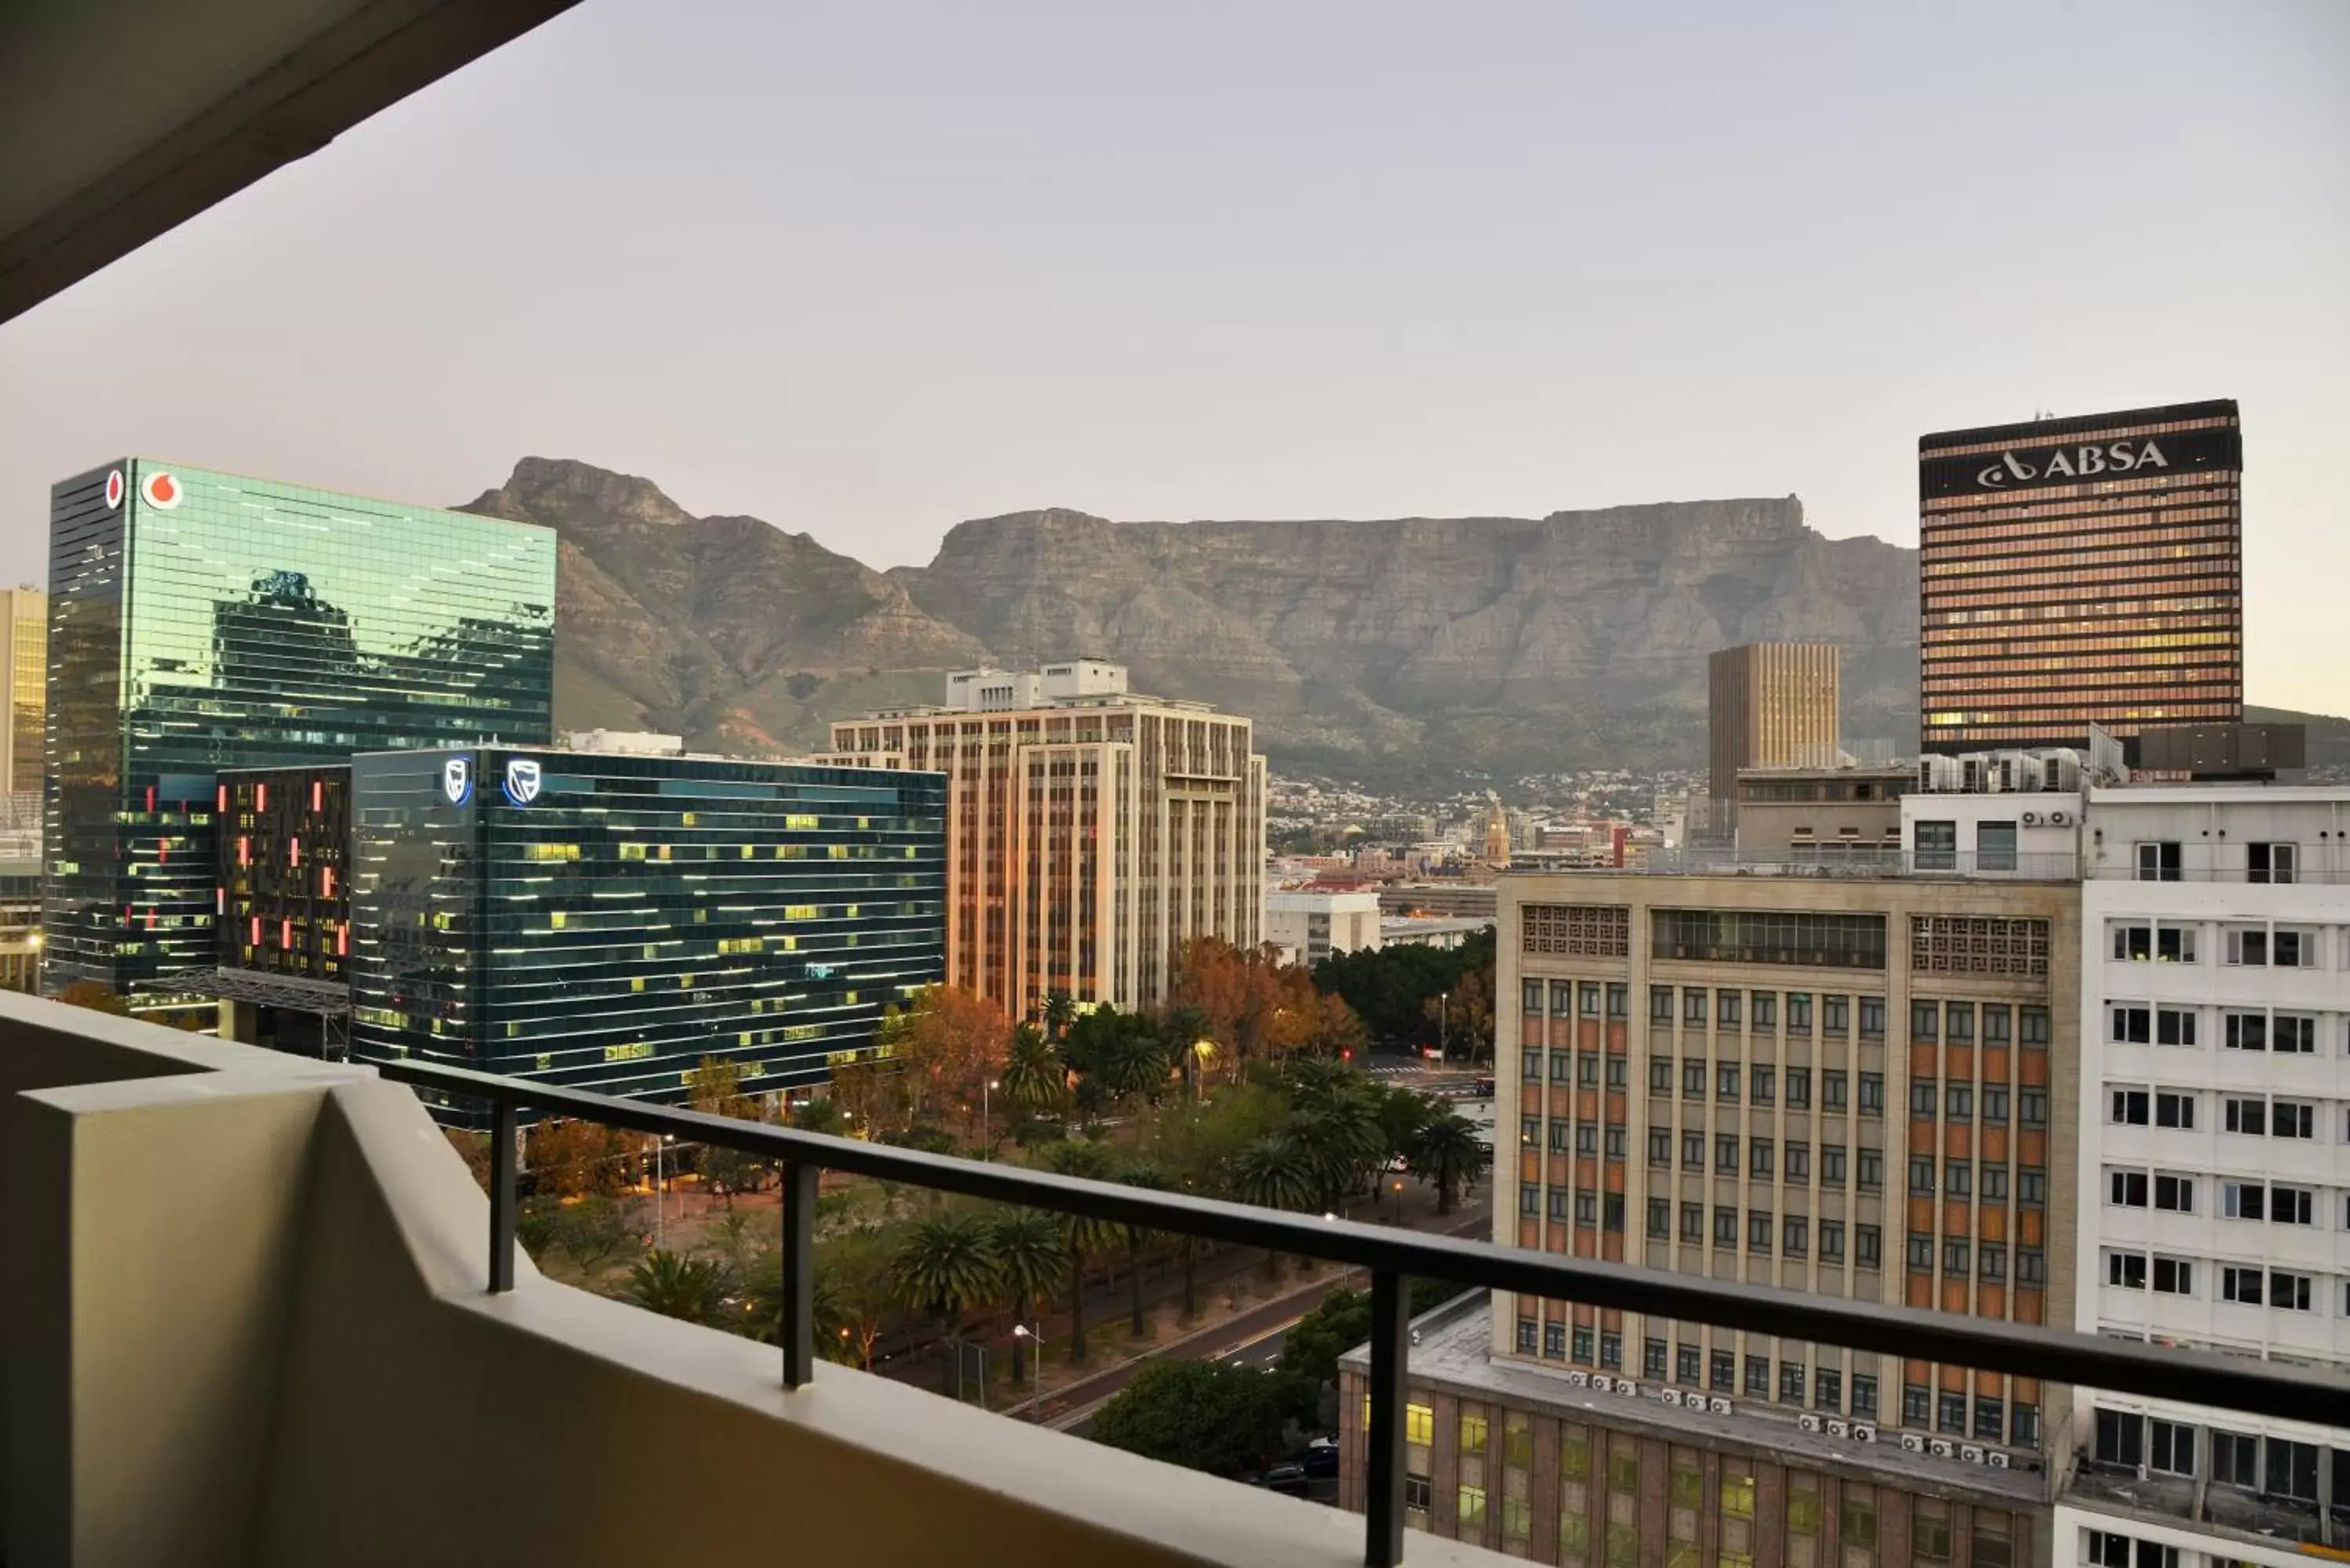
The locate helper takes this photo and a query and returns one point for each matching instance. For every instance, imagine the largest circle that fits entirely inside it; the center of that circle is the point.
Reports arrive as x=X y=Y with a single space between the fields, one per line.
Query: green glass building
x=604 y=921
x=201 y=621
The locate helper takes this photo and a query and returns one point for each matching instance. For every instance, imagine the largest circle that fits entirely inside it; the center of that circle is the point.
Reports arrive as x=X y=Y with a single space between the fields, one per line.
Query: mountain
x=1413 y=647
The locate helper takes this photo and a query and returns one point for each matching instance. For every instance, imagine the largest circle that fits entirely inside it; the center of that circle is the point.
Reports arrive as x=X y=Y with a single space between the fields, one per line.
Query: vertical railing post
x=502 y=1197
x=797 y=1330
x=1383 y=1500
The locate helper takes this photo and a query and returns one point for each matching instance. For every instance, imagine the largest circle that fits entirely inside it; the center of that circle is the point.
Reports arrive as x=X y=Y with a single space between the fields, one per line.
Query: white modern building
x=1315 y=922
x=2214 y=1163
x=1997 y=814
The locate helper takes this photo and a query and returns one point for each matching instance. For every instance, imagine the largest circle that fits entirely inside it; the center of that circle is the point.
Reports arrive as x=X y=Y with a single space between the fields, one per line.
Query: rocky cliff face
x=1415 y=645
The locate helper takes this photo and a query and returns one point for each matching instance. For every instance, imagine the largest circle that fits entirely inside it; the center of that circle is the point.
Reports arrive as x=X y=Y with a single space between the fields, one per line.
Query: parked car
x=1287 y=1477
x=1320 y=1458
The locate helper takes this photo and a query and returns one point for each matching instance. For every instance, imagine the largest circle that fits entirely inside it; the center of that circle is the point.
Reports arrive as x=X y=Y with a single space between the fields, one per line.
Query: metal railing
x=1827 y=861
x=2118 y=867
x=1393 y=1258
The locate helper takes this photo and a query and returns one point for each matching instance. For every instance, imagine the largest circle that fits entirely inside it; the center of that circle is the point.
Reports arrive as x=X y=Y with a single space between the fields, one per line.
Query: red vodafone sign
x=161 y=491
x=114 y=488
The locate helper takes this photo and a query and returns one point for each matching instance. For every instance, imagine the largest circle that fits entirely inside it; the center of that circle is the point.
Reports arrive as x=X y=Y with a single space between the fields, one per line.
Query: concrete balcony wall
x=248 y=1324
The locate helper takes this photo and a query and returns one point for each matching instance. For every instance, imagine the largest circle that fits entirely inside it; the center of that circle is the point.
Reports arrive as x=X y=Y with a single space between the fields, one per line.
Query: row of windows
x=2279 y=1467
x=2252 y=1116
x=2285 y=1290
x=2277 y=1203
x=2247 y=944
x=2241 y=1029
x=1988 y=1260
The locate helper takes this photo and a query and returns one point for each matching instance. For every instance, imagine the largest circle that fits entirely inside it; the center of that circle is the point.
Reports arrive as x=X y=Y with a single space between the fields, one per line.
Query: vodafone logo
x=114 y=489
x=161 y=491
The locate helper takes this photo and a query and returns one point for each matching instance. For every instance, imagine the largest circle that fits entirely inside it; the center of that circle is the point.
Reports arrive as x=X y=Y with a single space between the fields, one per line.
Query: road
x=1252 y=1338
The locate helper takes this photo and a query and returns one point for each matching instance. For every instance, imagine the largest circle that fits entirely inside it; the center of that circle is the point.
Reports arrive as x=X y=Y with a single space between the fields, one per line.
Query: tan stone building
x=1767 y=705
x=1863 y=1087
x=25 y=674
x=1090 y=830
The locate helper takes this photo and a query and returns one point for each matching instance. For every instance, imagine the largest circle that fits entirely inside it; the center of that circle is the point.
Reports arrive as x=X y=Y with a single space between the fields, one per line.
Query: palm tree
x=1336 y=1118
x=1136 y=1063
x=1273 y=1173
x=1033 y=1080
x=946 y=1266
x=1448 y=1154
x=1030 y=1265
x=691 y=1290
x=1181 y=1029
x=1082 y=1238
x=1153 y=1176
x=1060 y=1011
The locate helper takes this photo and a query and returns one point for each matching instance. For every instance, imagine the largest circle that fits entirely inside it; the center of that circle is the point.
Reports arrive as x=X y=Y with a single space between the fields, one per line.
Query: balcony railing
x=1392 y=1258
x=2121 y=868
x=2036 y=866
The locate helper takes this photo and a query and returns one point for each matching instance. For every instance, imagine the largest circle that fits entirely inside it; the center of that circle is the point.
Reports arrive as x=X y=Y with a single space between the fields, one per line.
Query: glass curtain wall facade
x=25 y=639
x=201 y=621
x=605 y=921
x=283 y=896
x=2080 y=571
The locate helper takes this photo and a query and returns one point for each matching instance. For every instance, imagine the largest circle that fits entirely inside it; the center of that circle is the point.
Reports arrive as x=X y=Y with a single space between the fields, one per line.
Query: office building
x=2077 y=571
x=1769 y=705
x=24 y=675
x=281 y=901
x=604 y=920
x=1315 y=922
x=1091 y=831
x=1844 y=816
x=203 y=621
x=2214 y=1164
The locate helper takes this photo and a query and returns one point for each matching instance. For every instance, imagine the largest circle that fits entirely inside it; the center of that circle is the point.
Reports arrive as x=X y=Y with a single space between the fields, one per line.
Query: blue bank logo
x=457 y=780
x=522 y=779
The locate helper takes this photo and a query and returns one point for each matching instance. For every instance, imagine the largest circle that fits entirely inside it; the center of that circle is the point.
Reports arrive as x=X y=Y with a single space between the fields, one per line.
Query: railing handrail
x=2316 y=1396
x=1830 y=857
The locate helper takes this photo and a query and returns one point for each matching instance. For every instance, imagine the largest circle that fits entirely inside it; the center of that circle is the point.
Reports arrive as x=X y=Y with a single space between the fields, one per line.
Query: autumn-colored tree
x=875 y=1096
x=1465 y=1014
x=951 y=1043
x=475 y=1149
x=574 y=1158
x=715 y=1089
x=1254 y=1006
x=94 y=995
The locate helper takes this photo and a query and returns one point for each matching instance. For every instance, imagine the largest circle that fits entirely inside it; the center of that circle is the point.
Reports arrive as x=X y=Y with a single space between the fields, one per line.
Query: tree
x=473 y=1149
x=1060 y=1011
x=875 y=1095
x=1082 y=1237
x=94 y=995
x=591 y=1230
x=1244 y=994
x=1136 y=1065
x=1448 y=1154
x=1149 y=1175
x=821 y=1116
x=715 y=1089
x=952 y=1042
x=946 y=1265
x=1030 y=1261
x=1033 y=1082
x=1335 y=1119
x=1273 y=1173
x=852 y=1292
x=1311 y=1349
x=692 y=1290
x=571 y=1158
x=1203 y=1414
x=1391 y=987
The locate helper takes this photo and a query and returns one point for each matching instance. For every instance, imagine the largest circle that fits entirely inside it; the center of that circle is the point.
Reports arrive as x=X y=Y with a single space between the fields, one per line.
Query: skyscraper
x=201 y=621
x=24 y=674
x=1769 y=705
x=2079 y=571
x=1090 y=831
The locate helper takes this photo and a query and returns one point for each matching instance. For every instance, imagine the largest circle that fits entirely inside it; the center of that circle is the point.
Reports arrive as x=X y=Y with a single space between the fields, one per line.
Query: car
x=1320 y=1459
x=1287 y=1477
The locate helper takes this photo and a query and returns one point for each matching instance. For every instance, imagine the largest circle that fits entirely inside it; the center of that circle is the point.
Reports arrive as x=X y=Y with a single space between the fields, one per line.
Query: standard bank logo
x=522 y=778
x=457 y=780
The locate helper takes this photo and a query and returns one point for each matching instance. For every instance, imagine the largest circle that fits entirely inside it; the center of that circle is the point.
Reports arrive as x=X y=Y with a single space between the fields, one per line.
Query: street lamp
x=1035 y=1370
x=660 y=1209
x=1443 y=1026
x=986 y=1149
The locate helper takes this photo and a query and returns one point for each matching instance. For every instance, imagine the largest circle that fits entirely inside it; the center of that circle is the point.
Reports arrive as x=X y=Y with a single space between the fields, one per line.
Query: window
x=1517 y=1518
x=2032 y=1026
x=1561 y=998
x=1725 y=1082
x=1531 y=995
x=2174 y=1277
x=1758 y=1376
x=1957 y=1257
x=1554 y=1341
x=1872 y=1170
x=1835 y=1014
x=1990 y=1262
x=1759 y=1153
x=2292 y=948
x=1935 y=846
x=1693 y=1151
x=1619 y=1072
x=2246 y=1116
x=1951 y=1414
x=1660 y=1075
x=1795 y=1236
x=1863 y=1393
x=1758 y=1231
x=1692 y=1222
x=1687 y=1359
x=1994 y=1105
x=1558 y=1200
x=1832 y=1241
x=2174 y=943
x=2293 y=1118
x=1527 y=1331
x=2240 y=1285
x=2030 y=1266
x=2159 y=861
x=1958 y=1179
x=2032 y=1186
x=1832 y=1164
x=1611 y=1350
x=2243 y=1200
x=2292 y=1469
x=1922 y=1097
x=1660 y=1147
x=1917 y=1404
x=1872 y=1093
x=1693 y=1006
x=2175 y=1193
x=1530 y=1132
x=2289 y=1292
x=2129 y=1107
x=1661 y=1218
x=2247 y=945
x=1693 y=1078
x=2031 y=1107
x=1925 y=1021
x=1872 y=1015
x=2125 y=1269
x=1652 y=1358
x=2271 y=862
x=1589 y=1000
x=1921 y=1253
x=1798 y=1161
x=2132 y=1025
x=1530 y=1066
x=1586 y=1138
x=1867 y=1247
x=1764 y=1009
x=1583 y=1345
x=1959 y=1102
x=2126 y=1188
x=1827 y=1388
x=1725 y=1153
x=1660 y=1004
x=1473 y=1508
x=2292 y=1206
x=1725 y=1227
x=1586 y=1069
x=1586 y=1209
x=1562 y=1135
x=2170 y=1447
x=1416 y=1494
x=2174 y=1109
x=1799 y=1011
x=1725 y=1008
x=1619 y=1000
x=2131 y=942
x=2174 y=1026
x=1790 y=1382
x=2293 y=1034
x=1832 y=1090
x=1763 y=1085
x=1994 y=1184
x=1530 y=1201
x=2235 y=1459
x=1799 y=1089
x=1921 y=1176
x=2245 y=1030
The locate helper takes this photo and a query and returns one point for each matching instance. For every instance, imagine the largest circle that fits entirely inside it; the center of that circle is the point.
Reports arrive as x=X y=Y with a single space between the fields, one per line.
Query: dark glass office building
x=604 y=921
x=199 y=621
x=2079 y=571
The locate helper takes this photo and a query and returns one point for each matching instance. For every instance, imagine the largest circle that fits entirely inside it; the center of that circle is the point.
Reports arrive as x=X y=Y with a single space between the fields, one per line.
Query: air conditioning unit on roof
x=1808 y=1422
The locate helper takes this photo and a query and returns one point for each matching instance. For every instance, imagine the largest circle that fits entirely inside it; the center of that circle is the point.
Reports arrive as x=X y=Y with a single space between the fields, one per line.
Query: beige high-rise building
x=1769 y=705
x=25 y=676
x=1090 y=830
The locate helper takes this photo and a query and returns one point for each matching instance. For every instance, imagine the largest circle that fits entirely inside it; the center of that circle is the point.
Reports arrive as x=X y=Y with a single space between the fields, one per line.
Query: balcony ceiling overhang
x=122 y=118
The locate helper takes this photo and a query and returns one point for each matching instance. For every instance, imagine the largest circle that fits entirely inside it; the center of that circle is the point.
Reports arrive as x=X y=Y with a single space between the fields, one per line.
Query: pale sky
x=866 y=270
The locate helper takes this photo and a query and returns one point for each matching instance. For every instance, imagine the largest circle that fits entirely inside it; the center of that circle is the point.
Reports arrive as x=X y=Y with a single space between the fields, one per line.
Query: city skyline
x=1358 y=311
